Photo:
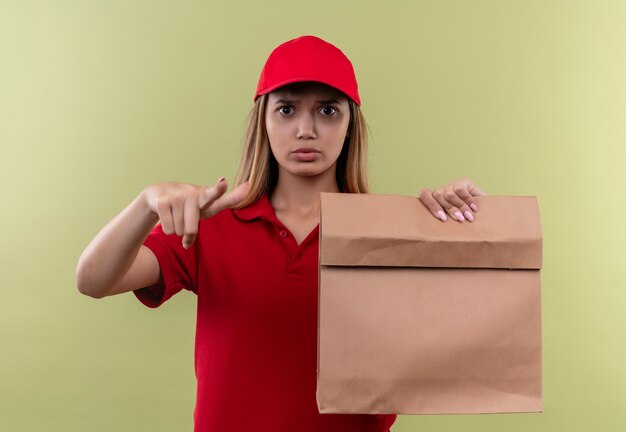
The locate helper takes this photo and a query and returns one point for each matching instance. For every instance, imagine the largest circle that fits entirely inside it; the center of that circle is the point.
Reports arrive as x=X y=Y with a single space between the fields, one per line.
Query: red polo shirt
x=256 y=325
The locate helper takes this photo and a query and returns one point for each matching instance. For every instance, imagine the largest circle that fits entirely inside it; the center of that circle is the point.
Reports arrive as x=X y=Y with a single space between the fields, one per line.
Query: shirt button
x=283 y=234
x=289 y=257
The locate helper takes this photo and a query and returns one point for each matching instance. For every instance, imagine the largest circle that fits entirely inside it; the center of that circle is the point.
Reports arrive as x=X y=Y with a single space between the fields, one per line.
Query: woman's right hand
x=180 y=206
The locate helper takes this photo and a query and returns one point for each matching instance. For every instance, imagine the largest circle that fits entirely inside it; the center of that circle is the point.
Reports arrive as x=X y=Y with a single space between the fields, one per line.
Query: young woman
x=251 y=254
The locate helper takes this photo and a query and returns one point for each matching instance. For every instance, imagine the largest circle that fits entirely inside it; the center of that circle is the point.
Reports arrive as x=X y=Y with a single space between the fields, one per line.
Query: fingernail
x=474 y=207
x=441 y=215
x=221 y=179
x=468 y=215
x=459 y=216
x=186 y=245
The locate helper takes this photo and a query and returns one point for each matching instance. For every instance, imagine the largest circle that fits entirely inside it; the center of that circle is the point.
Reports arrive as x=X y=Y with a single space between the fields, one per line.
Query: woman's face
x=307 y=128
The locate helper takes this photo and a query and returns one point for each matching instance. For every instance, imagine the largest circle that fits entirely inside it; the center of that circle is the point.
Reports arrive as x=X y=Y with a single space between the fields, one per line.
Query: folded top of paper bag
x=398 y=230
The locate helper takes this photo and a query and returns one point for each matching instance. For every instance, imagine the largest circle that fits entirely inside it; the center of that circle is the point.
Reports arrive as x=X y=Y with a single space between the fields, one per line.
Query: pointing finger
x=426 y=196
x=191 y=216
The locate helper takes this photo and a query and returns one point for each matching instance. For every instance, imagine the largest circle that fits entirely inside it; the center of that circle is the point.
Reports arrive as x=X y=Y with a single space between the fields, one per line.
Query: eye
x=282 y=107
x=328 y=110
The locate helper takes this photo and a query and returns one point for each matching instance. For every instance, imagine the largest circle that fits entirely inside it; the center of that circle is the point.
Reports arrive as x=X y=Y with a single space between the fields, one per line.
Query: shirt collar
x=261 y=208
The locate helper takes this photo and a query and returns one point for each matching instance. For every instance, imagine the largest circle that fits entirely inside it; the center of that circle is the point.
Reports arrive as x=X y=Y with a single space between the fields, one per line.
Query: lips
x=306 y=150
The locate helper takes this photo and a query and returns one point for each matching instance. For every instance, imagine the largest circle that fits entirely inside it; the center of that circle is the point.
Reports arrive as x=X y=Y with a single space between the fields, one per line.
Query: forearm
x=113 y=250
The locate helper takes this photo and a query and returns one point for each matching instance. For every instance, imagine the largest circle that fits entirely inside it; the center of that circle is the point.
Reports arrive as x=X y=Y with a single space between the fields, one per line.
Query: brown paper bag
x=420 y=316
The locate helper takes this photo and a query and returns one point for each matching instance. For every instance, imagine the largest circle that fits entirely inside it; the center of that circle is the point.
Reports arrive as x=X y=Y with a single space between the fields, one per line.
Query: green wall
x=99 y=99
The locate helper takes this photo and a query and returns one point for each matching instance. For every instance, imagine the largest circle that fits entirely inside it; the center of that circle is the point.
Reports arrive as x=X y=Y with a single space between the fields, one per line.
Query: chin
x=307 y=171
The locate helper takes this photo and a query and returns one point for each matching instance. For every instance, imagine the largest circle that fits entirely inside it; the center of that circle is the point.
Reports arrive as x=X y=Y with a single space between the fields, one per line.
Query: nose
x=306 y=127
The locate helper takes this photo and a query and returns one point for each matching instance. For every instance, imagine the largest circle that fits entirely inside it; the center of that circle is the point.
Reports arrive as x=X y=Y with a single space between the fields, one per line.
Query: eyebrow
x=290 y=101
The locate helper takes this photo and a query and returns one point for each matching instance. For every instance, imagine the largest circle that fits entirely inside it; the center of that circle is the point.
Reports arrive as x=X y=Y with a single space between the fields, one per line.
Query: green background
x=99 y=99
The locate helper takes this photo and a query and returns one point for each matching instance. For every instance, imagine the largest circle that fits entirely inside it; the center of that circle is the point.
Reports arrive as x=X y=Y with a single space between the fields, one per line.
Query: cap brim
x=295 y=80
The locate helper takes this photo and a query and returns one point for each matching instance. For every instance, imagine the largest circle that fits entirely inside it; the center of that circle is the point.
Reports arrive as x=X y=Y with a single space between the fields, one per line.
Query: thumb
x=235 y=196
x=475 y=190
x=223 y=201
x=212 y=193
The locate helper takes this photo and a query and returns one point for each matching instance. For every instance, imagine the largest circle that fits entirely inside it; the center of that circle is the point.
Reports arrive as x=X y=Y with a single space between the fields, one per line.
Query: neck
x=301 y=195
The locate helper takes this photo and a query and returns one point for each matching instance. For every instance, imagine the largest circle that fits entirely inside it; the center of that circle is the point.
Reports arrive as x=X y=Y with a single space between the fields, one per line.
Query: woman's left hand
x=454 y=198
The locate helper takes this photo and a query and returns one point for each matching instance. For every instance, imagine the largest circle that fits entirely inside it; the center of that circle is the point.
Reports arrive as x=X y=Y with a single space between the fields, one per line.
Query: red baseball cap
x=308 y=58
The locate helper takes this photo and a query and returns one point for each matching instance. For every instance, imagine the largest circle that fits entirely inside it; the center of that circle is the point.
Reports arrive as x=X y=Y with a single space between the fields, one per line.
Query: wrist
x=142 y=207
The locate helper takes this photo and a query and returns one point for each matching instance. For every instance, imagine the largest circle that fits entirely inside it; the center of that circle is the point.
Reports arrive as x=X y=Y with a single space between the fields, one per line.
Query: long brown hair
x=259 y=166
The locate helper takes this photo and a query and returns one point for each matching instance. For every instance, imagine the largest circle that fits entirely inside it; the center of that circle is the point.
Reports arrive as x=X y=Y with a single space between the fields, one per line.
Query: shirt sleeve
x=178 y=267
